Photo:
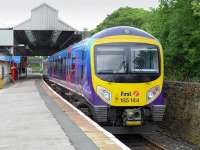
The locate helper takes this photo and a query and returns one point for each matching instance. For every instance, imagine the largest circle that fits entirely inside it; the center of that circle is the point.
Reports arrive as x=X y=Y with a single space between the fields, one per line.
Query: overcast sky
x=77 y=13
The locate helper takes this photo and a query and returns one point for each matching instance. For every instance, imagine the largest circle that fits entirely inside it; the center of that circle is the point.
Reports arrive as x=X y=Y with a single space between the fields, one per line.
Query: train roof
x=119 y=30
x=122 y=30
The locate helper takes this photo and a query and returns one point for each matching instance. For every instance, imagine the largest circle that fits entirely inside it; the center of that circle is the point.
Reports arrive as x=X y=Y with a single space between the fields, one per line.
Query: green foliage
x=35 y=63
x=196 y=7
x=176 y=23
x=124 y=17
x=179 y=34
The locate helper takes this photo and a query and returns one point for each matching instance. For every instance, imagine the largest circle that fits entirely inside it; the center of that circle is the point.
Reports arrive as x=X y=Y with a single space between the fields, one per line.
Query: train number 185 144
x=129 y=100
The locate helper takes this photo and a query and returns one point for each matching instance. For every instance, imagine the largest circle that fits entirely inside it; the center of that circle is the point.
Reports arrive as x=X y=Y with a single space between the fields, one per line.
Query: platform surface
x=26 y=123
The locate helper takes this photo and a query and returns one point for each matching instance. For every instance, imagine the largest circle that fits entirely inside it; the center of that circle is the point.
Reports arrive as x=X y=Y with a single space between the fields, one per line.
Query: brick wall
x=183 y=110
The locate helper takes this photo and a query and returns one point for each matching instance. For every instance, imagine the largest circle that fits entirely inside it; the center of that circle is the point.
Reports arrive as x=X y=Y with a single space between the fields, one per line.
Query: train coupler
x=132 y=117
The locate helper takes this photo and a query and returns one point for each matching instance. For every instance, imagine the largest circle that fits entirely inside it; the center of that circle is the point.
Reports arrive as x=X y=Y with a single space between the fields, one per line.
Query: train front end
x=127 y=74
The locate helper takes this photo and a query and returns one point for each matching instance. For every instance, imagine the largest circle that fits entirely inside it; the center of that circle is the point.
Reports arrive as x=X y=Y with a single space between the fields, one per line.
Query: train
x=116 y=76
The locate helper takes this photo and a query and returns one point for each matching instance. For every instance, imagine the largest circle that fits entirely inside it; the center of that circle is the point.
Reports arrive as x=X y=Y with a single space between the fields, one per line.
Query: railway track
x=153 y=145
x=133 y=141
x=139 y=142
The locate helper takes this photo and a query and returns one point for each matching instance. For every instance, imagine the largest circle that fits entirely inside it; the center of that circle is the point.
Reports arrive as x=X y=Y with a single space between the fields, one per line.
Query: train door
x=80 y=70
x=77 y=67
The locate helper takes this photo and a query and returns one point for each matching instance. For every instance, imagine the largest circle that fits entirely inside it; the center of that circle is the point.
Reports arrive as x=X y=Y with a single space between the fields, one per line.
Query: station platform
x=33 y=117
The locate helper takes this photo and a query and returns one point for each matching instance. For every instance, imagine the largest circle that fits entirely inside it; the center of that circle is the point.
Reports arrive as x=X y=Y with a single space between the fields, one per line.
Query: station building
x=43 y=34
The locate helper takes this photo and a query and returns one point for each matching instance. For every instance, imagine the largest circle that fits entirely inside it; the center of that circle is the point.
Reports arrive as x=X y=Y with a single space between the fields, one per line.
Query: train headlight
x=104 y=93
x=153 y=93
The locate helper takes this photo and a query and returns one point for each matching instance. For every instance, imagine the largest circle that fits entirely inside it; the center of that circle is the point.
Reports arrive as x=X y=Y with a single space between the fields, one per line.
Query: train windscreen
x=144 y=59
x=110 y=59
x=126 y=59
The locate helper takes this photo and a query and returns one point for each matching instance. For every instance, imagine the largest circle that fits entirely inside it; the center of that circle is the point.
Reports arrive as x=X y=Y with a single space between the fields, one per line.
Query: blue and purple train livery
x=117 y=74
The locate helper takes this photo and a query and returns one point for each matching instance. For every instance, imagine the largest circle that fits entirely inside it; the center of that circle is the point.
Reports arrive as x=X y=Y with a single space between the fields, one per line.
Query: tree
x=178 y=30
x=124 y=17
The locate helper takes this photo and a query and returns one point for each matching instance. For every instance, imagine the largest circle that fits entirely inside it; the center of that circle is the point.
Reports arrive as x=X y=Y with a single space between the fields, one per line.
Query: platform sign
x=5 y=58
x=6 y=38
x=16 y=59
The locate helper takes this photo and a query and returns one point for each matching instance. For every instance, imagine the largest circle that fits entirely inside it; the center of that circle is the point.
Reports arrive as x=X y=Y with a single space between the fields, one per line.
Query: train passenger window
x=64 y=65
x=68 y=63
x=61 y=65
x=55 y=63
x=82 y=63
x=57 y=66
x=54 y=66
x=73 y=62
x=51 y=70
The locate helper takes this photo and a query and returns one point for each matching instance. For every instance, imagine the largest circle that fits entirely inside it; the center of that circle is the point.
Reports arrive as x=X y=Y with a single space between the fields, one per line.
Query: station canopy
x=43 y=34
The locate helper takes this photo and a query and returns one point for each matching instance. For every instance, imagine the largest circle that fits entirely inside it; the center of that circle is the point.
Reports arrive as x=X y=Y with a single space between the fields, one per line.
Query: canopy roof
x=44 y=33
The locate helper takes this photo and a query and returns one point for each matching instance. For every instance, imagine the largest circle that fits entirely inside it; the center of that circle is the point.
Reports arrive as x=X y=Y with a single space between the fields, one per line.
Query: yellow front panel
x=126 y=94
